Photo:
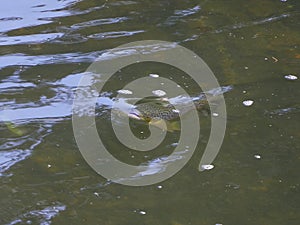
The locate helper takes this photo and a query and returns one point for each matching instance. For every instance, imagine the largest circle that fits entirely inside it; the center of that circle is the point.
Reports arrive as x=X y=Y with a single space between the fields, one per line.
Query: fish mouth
x=135 y=114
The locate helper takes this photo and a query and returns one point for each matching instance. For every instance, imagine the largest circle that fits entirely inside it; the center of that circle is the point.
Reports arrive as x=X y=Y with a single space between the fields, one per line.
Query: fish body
x=162 y=110
x=165 y=110
x=151 y=110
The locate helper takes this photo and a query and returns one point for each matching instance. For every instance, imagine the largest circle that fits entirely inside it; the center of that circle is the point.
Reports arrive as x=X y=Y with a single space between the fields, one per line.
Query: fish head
x=135 y=114
x=138 y=115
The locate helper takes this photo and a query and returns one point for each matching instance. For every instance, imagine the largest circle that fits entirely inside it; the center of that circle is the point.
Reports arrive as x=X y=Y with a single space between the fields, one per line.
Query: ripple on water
x=43 y=216
x=16 y=149
x=10 y=158
x=28 y=39
x=179 y=14
x=98 y=22
x=29 y=15
x=114 y=34
x=28 y=60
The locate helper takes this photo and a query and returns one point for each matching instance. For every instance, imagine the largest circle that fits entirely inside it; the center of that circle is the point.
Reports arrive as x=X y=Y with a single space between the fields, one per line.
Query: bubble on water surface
x=153 y=75
x=207 y=167
x=291 y=77
x=257 y=156
x=125 y=92
x=248 y=102
x=159 y=93
x=142 y=212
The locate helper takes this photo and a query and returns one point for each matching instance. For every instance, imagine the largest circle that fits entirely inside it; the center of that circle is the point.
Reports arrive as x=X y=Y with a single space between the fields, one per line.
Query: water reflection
x=16 y=149
x=29 y=39
x=27 y=60
x=10 y=158
x=179 y=14
x=21 y=14
x=45 y=49
x=42 y=217
x=114 y=34
x=98 y=22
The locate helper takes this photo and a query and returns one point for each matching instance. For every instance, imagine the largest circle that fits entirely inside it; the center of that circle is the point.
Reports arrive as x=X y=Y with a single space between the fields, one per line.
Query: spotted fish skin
x=166 y=111
x=157 y=110
x=148 y=111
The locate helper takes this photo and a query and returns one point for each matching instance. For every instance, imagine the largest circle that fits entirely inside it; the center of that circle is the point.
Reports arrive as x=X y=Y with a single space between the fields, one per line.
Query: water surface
x=45 y=48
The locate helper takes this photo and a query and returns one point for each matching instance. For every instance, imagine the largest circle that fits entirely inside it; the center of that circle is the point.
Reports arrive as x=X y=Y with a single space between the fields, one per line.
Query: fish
x=161 y=110
x=155 y=110
x=163 y=115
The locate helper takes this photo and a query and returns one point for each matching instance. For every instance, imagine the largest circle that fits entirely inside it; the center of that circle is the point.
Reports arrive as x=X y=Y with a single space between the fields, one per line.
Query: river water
x=252 y=46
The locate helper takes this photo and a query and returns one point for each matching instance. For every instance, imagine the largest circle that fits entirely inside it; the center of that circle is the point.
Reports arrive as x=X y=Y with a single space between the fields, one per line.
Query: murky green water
x=45 y=46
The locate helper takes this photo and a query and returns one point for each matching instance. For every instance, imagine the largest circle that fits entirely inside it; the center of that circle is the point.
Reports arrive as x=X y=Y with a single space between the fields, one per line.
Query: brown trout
x=161 y=110
x=165 y=110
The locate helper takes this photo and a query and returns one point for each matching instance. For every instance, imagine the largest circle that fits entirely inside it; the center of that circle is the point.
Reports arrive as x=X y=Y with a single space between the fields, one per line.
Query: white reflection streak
x=136 y=50
x=159 y=165
x=44 y=216
x=28 y=39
